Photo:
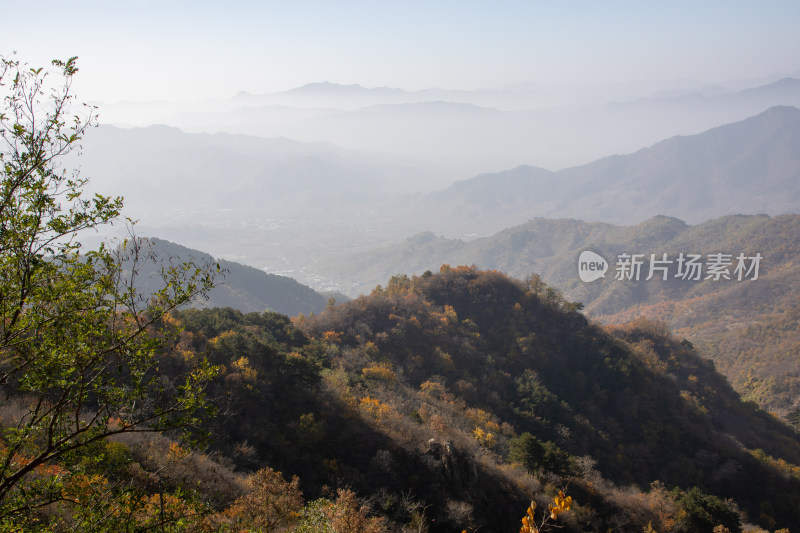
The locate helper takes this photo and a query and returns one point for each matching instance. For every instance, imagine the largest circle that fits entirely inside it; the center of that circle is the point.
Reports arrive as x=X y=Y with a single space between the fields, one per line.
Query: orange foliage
x=332 y=336
x=271 y=504
x=345 y=515
x=376 y=409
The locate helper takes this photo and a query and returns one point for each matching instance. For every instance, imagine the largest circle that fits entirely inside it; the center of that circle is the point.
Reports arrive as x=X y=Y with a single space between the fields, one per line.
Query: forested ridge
x=747 y=327
x=448 y=401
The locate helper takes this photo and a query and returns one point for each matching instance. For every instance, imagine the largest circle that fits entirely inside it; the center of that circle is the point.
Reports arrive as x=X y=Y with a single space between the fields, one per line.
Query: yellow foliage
x=484 y=438
x=561 y=503
x=528 y=521
x=222 y=336
x=479 y=416
x=493 y=426
x=779 y=464
x=432 y=389
x=170 y=321
x=483 y=420
x=371 y=348
x=375 y=408
x=379 y=372
x=242 y=366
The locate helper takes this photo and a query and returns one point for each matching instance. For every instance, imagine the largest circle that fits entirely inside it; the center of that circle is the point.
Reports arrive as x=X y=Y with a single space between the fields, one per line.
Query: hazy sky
x=180 y=49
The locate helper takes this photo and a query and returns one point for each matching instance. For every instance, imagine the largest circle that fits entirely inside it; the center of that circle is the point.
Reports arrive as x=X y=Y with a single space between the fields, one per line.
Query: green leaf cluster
x=79 y=346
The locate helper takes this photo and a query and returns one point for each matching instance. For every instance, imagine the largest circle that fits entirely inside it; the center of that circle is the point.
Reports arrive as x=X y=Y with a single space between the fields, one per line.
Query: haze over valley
x=290 y=206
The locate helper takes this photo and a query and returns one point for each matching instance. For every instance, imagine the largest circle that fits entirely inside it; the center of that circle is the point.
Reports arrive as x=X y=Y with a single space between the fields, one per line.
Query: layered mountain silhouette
x=462 y=132
x=160 y=170
x=287 y=206
x=747 y=167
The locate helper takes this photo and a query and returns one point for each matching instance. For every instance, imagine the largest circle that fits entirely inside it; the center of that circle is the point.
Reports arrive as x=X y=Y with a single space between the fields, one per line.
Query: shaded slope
x=642 y=404
x=241 y=287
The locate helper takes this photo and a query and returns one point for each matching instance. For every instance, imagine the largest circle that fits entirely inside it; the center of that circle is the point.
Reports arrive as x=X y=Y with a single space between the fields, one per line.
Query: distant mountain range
x=160 y=169
x=751 y=166
x=272 y=203
x=452 y=133
x=291 y=206
x=525 y=96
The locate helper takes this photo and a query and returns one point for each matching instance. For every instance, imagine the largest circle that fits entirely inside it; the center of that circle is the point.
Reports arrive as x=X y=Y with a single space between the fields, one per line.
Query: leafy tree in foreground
x=79 y=346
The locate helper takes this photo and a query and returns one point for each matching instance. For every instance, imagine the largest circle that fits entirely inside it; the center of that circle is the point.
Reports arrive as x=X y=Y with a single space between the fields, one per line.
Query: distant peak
x=782 y=109
x=664 y=220
x=778 y=112
x=787 y=81
x=338 y=88
x=327 y=86
x=784 y=84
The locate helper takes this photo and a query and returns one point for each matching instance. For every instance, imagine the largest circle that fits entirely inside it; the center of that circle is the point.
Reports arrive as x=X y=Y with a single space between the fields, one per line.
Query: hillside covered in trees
x=642 y=405
x=748 y=328
x=447 y=402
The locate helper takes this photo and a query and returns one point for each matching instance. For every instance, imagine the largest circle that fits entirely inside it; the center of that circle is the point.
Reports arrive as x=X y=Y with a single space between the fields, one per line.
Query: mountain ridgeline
x=238 y=286
x=747 y=167
x=747 y=327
